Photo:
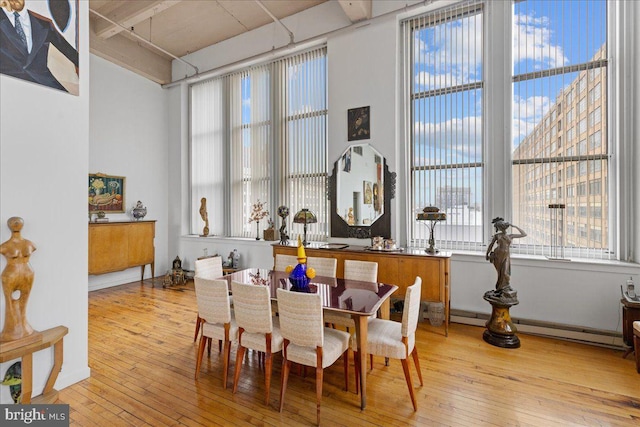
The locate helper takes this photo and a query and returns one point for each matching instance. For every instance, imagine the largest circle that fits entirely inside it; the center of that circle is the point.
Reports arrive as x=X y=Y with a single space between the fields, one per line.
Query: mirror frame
x=380 y=227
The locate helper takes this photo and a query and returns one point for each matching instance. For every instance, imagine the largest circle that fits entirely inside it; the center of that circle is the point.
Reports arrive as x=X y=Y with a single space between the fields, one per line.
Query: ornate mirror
x=361 y=189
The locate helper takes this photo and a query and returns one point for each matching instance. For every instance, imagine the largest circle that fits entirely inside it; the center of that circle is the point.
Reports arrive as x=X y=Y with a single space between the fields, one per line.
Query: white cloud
x=454 y=140
x=532 y=41
x=527 y=113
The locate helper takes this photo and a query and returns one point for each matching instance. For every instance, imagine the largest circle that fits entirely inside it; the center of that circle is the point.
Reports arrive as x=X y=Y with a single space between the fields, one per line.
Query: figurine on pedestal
x=283 y=212
x=17 y=280
x=501 y=331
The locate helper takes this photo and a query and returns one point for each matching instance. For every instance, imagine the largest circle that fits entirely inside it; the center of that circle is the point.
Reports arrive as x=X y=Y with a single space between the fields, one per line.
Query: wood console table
x=116 y=246
x=630 y=314
x=398 y=268
x=51 y=337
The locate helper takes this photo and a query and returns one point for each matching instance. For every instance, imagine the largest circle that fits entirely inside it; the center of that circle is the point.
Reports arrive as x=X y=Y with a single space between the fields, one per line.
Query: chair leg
x=225 y=369
x=286 y=365
x=358 y=369
x=407 y=376
x=267 y=367
x=346 y=370
x=238 y=368
x=200 y=354
x=198 y=322
x=370 y=361
x=414 y=354
x=636 y=346
x=319 y=372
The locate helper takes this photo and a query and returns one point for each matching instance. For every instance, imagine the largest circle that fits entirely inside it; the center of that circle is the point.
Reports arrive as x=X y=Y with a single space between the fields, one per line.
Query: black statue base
x=501 y=331
x=504 y=341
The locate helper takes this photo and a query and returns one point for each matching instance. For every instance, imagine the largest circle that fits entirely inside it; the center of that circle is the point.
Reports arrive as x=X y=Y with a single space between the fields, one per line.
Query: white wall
x=44 y=147
x=364 y=69
x=128 y=137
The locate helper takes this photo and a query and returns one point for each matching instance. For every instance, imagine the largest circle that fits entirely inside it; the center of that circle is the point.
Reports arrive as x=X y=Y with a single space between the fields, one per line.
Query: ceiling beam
x=131 y=55
x=356 y=10
x=130 y=14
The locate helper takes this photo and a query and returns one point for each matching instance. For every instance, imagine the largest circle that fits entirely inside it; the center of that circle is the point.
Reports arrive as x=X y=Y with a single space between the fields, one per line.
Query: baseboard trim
x=597 y=337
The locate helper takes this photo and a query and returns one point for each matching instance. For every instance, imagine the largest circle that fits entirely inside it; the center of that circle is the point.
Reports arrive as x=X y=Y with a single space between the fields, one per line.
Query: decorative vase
x=139 y=211
x=257 y=230
x=298 y=278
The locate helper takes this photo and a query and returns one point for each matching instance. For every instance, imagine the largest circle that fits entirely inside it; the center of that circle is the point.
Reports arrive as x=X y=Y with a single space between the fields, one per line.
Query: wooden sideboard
x=116 y=246
x=396 y=268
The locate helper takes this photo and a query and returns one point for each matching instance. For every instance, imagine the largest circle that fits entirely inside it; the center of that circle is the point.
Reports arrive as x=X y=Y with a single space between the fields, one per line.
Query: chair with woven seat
x=257 y=329
x=397 y=340
x=326 y=267
x=207 y=268
x=365 y=271
x=306 y=340
x=283 y=261
x=212 y=297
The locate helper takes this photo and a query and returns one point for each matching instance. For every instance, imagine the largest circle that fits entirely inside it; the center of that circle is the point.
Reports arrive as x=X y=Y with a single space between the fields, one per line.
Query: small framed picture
x=106 y=193
x=358 y=124
x=367 y=190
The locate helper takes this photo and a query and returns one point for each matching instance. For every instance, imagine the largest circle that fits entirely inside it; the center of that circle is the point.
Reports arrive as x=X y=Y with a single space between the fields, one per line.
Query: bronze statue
x=17 y=280
x=500 y=257
x=205 y=216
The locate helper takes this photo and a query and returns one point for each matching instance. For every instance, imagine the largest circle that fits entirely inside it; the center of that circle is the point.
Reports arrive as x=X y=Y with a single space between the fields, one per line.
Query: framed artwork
x=106 y=193
x=346 y=161
x=42 y=47
x=358 y=124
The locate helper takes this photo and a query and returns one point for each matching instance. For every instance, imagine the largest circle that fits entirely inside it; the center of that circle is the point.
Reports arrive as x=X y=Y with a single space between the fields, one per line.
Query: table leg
x=362 y=324
x=58 y=352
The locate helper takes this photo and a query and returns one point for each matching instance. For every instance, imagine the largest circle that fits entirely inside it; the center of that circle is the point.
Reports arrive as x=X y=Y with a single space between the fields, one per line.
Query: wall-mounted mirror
x=361 y=188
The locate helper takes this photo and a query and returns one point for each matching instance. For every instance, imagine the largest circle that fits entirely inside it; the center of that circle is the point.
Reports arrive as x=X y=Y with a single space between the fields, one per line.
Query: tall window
x=260 y=134
x=446 y=145
x=559 y=72
x=558 y=113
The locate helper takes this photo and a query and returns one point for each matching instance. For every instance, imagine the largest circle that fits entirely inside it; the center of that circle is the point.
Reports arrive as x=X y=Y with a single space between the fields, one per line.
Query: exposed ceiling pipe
x=145 y=40
x=306 y=43
x=275 y=19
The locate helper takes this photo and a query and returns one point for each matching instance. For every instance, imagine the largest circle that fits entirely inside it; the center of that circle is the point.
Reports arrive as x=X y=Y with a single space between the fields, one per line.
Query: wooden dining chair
x=306 y=340
x=207 y=268
x=365 y=271
x=257 y=329
x=397 y=340
x=326 y=267
x=212 y=297
x=283 y=261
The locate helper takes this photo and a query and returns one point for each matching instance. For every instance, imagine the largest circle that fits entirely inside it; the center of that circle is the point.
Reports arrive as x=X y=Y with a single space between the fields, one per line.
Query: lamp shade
x=305 y=216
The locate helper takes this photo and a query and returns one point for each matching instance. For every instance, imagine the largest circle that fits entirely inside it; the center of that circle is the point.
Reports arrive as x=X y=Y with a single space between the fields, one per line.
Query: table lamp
x=433 y=215
x=305 y=216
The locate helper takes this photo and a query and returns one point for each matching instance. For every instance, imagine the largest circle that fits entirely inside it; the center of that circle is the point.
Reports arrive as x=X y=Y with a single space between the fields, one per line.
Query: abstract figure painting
x=358 y=124
x=39 y=42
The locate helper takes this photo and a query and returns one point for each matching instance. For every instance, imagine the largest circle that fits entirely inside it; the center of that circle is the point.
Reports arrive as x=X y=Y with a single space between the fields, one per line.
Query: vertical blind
x=559 y=127
x=444 y=78
x=273 y=116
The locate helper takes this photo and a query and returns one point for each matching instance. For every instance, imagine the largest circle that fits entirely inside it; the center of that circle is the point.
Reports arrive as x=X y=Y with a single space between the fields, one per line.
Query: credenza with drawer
x=116 y=246
x=399 y=268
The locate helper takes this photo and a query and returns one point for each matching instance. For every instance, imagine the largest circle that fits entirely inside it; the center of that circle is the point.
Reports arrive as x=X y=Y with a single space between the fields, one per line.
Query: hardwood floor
x=142 y=358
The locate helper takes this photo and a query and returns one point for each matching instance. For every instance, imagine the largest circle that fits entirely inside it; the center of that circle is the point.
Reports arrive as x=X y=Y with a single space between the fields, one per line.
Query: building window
x=260 y=134
x=445 y=103
x=549 y=69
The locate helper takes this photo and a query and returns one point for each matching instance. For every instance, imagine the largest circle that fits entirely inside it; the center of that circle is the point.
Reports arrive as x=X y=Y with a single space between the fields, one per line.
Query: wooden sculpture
x=17 y=280
x=205 y=216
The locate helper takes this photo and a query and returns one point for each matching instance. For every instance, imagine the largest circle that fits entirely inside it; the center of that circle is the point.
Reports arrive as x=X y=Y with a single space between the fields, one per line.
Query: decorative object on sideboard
x=139 y=211
x=283 y=212
x=270 y=233
x=300 y=275
x=205 y=216
x=17 y=281
x=358 y=122
x=106 y=193
x=175 y=276
x=433 y=215
x=305 y=216
x=258 y=213
x=500 y=331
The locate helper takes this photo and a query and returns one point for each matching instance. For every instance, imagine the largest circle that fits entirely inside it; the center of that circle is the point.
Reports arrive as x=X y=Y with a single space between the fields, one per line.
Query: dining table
x=357 y=298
